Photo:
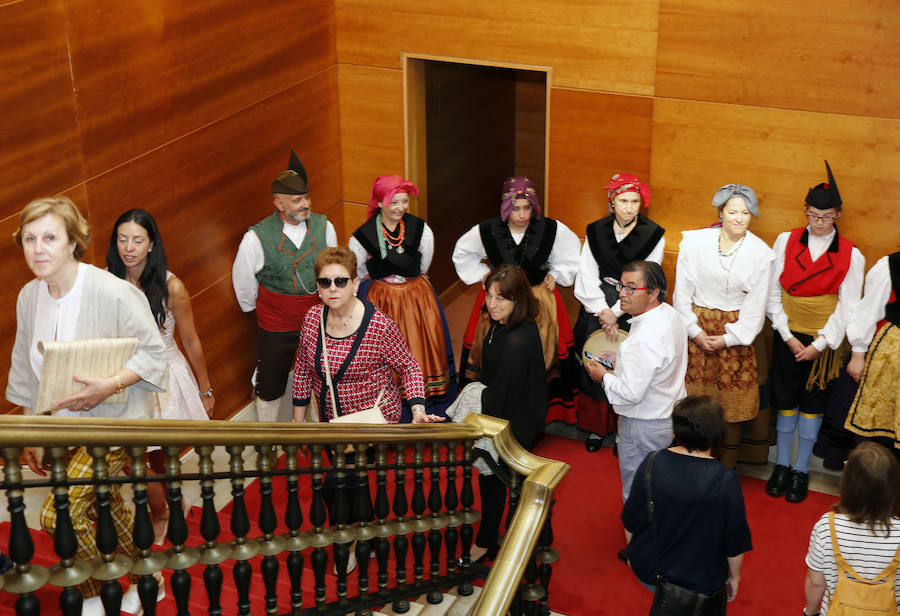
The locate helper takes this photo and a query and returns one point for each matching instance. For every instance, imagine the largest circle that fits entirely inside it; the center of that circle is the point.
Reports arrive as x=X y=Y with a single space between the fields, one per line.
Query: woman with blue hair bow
x=721 y=288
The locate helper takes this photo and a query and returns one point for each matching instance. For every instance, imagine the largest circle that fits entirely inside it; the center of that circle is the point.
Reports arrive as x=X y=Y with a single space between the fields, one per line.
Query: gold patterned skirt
x=876 y=408
x=729 y=375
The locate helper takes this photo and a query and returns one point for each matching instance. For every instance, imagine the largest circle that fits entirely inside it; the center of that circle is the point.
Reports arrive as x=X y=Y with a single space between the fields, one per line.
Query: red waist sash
x=277 y=312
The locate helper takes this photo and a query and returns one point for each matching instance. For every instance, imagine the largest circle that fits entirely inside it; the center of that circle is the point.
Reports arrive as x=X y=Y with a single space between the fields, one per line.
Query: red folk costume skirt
x=414 y=308
x=876 y=408
x=557 y=341
x=728 y=375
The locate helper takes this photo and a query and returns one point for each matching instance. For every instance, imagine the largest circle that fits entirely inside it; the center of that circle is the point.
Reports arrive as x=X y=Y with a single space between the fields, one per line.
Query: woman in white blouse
x=548 y=252
x=721 y=287
x=393 y=251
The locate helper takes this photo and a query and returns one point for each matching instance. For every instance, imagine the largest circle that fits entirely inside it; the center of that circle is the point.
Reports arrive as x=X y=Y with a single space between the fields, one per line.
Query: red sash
x=277 y=312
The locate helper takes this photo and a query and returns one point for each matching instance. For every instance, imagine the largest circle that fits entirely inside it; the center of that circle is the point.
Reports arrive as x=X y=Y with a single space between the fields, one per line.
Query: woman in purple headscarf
x=548 y=252
x=393 y=251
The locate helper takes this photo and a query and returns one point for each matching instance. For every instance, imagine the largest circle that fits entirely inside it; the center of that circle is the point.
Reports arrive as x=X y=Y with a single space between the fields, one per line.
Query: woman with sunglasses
x=721 y=288
x=363 y=347
x=393 y=252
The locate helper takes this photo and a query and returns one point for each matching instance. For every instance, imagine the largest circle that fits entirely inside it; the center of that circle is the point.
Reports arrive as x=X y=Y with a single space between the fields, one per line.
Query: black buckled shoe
x=798 y=487
x=593 y=443
x=778 y=481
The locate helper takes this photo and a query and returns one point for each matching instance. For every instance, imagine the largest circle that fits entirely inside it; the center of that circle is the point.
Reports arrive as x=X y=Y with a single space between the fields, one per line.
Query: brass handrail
x=541 y=478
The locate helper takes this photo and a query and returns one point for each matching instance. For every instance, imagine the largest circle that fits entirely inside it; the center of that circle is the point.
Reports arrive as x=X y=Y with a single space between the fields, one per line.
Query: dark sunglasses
x=325 y=283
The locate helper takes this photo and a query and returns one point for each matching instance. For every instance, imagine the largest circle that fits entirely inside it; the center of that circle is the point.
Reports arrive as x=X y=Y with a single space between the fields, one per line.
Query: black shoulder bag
x=671 y=599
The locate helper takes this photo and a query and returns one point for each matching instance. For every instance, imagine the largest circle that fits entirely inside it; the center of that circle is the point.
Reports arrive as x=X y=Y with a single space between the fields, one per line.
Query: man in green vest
x=273 y=274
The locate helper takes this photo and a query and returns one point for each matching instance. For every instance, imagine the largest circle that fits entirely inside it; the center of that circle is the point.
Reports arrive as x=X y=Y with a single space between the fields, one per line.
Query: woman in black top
x=515 y=385
x=701 y=524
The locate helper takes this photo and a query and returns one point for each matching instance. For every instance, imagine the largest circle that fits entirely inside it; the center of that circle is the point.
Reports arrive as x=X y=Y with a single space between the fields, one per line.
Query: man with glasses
x=815 y=289
x=649 y=368
x=273 y=274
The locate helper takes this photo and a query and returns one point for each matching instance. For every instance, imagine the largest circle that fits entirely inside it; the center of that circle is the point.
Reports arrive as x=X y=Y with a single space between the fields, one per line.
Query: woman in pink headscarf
x=548 y=253
x=393 y=251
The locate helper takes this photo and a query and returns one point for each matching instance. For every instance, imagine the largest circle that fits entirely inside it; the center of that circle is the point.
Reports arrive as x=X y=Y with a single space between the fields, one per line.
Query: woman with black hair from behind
x=136 y=254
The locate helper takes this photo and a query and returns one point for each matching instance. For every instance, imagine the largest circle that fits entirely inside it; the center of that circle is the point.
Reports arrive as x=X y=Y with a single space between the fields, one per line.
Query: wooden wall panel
x=206 y=188
x=698 y=147
x=40 y=153
x=608 y=45
x=371 y=103
x=841 y=56
x=593 y=136
x=153 y=70
x=354 y=215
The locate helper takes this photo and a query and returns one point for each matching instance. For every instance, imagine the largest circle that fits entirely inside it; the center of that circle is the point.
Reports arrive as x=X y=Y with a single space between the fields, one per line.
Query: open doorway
x=469 y=126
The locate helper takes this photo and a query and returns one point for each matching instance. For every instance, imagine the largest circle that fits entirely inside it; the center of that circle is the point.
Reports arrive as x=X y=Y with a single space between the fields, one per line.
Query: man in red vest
x=273 y=274
x=816 y=287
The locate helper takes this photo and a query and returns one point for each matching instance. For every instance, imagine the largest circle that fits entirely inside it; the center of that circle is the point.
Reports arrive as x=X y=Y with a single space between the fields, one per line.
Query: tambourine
x=598 y=343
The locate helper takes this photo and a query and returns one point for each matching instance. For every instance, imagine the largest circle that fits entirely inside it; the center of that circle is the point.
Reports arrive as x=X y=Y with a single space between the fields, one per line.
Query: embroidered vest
x=289 y=269
x=406 y=263
x=806 y=278
x=531 y=254
x=611 y=255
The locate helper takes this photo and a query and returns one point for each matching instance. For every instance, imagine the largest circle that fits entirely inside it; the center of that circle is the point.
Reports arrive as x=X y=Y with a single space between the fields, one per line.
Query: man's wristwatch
x=207 y=394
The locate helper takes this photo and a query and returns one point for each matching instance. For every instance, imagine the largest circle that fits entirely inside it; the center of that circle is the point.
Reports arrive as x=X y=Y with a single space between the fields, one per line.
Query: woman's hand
x=96 y=390
x=609 y=322
x=420 y=416
x=549 y=282
x=33 y=460
x=731 y=587
x=708 y=343
x=209 y=403
x=856 y=365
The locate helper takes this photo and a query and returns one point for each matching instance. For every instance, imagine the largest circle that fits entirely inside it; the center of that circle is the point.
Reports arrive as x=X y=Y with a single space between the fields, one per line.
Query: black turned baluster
x=242 y=550
x=269 y=544
x=25 y=578
x=147 y=562
x=317 y=517
x=437 y=520
x=546 y=555
x=341 y=534
x=294 y=542
x=112 y=566
x=531 y=592
x=382 y=510
x=181 y=557
x=466 y=533
x=212 y=553
x=366 y=530
x=70 y=572
x=515 y=486
x=451 y=500
x=420 y=524
x=401 y=525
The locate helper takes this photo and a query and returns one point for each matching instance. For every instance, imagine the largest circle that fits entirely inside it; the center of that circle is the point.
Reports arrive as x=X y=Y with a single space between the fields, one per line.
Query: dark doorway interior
x=483 y=124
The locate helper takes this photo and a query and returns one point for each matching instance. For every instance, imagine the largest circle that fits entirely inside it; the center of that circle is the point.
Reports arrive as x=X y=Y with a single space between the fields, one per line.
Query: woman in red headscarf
x=622 y=236
x=393 y=250
x=547 y=251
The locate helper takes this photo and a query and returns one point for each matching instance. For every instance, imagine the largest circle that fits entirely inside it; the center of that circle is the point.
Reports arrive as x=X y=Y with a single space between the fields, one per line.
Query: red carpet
x=588 y=580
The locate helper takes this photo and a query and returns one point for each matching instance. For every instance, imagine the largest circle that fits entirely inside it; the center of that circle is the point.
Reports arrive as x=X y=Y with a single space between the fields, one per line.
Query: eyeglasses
x=619 y=286
x=325 y=283
x=817 y=218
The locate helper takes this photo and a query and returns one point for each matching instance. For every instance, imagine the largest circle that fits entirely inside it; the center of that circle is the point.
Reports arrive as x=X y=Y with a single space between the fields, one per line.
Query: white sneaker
x=92 y=607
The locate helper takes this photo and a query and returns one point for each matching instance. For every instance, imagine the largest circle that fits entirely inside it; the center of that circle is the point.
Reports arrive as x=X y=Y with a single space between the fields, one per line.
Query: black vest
x=407 y=263
x=612 y=255
x=892 y=310
x=531 y=254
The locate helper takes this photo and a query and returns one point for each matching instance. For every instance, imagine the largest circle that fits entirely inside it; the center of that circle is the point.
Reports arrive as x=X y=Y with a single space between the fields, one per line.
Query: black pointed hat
x=293 y=180
x=825 y=196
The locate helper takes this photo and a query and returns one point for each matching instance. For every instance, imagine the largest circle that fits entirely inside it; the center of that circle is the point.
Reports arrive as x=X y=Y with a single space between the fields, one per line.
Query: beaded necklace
x=395 y=238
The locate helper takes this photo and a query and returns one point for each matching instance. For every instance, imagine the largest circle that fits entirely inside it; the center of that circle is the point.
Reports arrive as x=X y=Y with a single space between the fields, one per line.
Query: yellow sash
x=808 y=315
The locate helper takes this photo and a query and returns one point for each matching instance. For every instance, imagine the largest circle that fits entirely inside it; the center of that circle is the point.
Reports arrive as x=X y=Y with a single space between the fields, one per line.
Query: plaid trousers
x=83 y=512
